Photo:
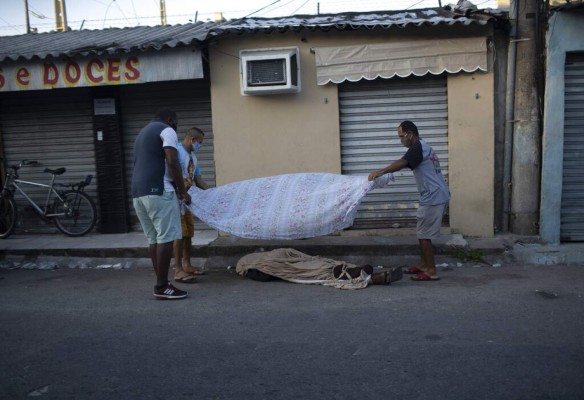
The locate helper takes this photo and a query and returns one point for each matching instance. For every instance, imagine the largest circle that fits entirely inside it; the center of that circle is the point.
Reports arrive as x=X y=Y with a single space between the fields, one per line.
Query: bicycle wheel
x=7 y=216
x=80 y=213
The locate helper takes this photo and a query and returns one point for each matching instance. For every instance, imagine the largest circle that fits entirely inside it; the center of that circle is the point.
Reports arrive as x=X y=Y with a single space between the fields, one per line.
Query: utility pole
x=162 y=12
x=526 y=165
x=60 y=15
x=26 y=16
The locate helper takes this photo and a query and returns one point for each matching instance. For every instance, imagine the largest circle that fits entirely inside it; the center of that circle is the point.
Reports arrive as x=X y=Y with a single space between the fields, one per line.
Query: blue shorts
x=159 y=217
x=430 y=221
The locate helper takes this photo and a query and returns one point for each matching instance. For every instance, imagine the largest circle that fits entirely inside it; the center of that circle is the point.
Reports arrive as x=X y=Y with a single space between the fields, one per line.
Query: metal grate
x=192 y=102
x=572 y=213
x=370 y=112
x=266 y=72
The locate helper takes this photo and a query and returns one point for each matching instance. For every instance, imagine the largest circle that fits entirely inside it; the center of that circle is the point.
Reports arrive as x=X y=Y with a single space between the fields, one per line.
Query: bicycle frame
x=50 y=191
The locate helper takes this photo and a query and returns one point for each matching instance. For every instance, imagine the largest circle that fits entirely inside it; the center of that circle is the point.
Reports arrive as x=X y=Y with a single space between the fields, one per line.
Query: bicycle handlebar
x=29 y=162
x=75 y=186
x=23 y=163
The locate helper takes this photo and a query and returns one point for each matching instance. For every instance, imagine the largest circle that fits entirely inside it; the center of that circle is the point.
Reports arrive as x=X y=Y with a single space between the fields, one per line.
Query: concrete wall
x=256 y=136
x=564 y=35
x=471 y=145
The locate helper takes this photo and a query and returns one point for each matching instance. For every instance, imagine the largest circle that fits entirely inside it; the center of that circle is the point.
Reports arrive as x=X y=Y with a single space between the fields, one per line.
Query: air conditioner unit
x=270 y=71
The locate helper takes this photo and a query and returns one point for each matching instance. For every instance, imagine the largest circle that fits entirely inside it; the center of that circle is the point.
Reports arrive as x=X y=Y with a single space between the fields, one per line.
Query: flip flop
x=413 y=271
x=197 y=271
x=186 y=279
x=424 y=277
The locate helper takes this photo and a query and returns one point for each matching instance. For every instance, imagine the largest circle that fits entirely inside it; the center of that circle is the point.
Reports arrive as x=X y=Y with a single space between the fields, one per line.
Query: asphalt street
x=508 y=333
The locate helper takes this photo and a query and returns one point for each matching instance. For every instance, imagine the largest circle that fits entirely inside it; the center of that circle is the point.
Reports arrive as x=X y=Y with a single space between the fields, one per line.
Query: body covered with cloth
x=294 y=266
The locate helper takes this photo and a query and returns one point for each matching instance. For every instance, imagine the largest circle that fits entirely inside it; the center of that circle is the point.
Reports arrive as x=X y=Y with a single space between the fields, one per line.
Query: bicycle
x=73 y=211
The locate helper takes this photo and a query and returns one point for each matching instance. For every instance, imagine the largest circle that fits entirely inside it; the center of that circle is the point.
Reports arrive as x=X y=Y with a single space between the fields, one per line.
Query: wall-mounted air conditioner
x=270 y=71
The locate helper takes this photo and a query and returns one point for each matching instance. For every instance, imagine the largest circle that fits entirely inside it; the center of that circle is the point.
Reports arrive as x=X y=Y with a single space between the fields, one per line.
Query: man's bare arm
x=201 y=183
x=175 y=172
x=393 y=167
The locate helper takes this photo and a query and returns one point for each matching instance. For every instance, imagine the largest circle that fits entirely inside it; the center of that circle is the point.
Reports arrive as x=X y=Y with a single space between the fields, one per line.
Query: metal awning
x=416 y=57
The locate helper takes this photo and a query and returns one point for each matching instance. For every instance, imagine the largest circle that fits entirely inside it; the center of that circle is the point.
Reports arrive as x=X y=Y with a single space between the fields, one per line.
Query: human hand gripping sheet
x=291 y=206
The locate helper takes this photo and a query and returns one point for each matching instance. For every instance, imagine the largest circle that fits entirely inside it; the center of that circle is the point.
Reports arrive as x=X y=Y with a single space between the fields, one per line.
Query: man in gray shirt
x=157 y=187
x=434 y=195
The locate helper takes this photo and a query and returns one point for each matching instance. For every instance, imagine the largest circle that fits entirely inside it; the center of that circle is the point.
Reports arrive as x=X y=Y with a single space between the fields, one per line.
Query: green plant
x=467 y=254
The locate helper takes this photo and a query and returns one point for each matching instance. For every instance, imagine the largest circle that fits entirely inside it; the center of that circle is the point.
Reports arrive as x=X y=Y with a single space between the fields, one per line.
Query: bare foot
x=194 y=270
x=184 y=277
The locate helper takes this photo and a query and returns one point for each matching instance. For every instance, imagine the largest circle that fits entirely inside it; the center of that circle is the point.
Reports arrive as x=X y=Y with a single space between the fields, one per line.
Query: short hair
x=165 y=113
x=409 y=126
x=194 y=131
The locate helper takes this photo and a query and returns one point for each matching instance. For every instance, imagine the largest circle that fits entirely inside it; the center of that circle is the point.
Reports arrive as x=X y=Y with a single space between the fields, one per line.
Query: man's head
x=167 y=116
x=408 y=133
x=193 y=139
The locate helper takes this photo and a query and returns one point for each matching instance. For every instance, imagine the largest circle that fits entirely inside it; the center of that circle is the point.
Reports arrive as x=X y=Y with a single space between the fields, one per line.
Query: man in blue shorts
x=434 y=195
x=157 y=187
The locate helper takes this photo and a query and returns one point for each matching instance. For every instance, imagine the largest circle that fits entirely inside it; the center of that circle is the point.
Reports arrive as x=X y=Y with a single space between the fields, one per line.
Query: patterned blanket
x=291 y=206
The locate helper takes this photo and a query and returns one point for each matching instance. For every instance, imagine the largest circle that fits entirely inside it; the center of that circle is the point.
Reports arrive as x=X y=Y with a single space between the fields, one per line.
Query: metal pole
x=509 y=115
x=526 y=165
x=162 y=12
x=26 y=16
x=60 y=15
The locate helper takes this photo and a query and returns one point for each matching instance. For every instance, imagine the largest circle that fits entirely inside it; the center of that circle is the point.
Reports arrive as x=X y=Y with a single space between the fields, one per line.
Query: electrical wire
x=263 y=8
x=9 y=25
x=415 y=4
x=122 y=11
x=106 y=11
x=283 y=5
x=135 y=13
x=303 y=4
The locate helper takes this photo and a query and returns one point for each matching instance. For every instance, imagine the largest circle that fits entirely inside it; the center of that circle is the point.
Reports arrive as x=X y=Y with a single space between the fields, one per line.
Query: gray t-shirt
x=150 y=176
x=425 y=164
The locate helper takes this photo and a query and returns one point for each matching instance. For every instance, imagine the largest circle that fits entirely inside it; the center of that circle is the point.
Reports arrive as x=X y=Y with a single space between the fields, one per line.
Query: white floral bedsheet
x=291 y=206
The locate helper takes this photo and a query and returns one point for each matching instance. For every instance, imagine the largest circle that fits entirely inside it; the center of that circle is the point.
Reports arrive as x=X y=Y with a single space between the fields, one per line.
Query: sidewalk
x=380 y=247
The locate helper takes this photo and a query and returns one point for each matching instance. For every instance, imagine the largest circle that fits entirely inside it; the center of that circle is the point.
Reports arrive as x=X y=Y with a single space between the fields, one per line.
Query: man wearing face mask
x=184 y=272
x=434 y=195
x=156 y=185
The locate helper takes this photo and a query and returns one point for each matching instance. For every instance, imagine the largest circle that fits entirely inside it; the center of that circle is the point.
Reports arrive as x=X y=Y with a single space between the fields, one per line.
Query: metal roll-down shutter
x=370 y=112
x=55 y=128
x=572 y=214
x=192 y=102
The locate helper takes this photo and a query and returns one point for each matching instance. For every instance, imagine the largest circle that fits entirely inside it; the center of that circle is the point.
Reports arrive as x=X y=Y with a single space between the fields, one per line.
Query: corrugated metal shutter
x=572 y=214
x=370 y=112
x=192 y=102
x=53 y=127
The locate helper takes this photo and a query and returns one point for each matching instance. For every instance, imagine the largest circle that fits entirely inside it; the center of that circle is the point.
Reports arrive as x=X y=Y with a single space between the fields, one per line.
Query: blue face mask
x=196 y=146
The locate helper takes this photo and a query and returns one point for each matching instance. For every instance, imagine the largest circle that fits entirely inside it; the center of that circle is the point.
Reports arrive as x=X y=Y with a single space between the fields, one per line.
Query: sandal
x=424 y=277
x=184 y=277
x=196 y=271
x=413 y=271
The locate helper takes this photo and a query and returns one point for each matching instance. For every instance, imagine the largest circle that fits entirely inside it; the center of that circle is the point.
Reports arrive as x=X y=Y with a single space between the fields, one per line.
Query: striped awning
x=416 y=57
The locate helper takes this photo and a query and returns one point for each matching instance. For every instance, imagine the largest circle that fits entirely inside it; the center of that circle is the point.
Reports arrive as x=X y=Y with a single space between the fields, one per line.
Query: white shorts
x=159 y=217
x=430 y=221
